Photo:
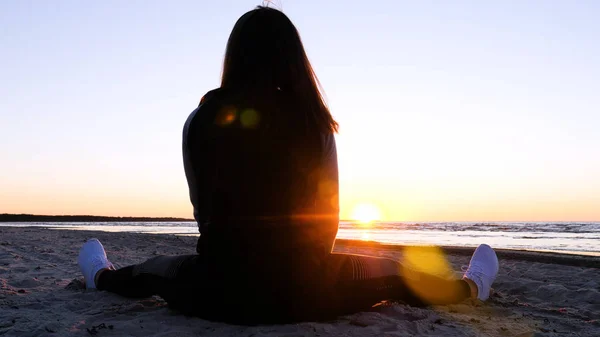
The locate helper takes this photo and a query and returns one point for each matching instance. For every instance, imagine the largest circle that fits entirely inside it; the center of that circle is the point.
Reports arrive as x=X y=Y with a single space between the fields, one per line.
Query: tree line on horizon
x=6 y=217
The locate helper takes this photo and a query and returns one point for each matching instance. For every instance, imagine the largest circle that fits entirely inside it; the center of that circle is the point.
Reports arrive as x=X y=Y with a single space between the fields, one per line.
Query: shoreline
x=571 y=247
x=42 y=293
x=570 y=258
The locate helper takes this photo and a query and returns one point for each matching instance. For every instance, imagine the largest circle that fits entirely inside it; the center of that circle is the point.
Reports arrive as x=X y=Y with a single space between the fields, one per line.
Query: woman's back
x=253 y=177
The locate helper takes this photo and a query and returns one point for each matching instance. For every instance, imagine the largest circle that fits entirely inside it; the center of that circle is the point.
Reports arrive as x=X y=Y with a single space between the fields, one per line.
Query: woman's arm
x=328 y=191
x=188 y=166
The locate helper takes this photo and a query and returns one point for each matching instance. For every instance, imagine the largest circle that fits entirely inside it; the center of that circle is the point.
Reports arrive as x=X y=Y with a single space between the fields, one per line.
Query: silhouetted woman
x=261 y=164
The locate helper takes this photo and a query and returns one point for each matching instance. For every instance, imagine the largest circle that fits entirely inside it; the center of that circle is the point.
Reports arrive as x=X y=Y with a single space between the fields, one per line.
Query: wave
x=543 y=227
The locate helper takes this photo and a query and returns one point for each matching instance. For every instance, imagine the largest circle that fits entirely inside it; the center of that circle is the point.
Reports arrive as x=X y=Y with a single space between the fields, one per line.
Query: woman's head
x=265 y=55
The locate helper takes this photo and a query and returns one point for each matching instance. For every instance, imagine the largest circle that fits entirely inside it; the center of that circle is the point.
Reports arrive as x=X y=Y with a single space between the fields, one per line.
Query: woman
x=261 y=164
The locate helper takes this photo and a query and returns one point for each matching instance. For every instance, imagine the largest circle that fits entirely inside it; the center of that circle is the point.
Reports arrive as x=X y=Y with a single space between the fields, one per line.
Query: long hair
x=266 y=59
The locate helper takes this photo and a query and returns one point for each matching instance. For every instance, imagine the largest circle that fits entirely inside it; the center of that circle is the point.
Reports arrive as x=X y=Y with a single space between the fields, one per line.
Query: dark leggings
x=344 y=284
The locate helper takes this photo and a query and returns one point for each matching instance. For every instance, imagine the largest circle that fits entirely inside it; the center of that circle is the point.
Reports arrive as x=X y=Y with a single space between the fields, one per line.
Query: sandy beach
x=42 y=294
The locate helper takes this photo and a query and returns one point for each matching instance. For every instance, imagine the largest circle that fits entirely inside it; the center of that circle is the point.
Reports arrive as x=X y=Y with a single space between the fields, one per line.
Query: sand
x=42 y=294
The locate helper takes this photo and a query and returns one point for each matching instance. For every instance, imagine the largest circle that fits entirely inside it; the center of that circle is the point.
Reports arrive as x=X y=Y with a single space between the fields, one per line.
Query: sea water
x=565 y=237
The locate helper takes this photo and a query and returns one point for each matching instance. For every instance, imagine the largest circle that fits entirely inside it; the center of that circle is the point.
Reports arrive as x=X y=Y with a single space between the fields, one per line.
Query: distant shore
x=82 y=218
x=7 y=217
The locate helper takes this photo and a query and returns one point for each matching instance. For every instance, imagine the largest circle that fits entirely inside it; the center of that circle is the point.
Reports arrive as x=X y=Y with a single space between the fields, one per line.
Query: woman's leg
x=156 y=276
x=364 y=281
x=161 y=275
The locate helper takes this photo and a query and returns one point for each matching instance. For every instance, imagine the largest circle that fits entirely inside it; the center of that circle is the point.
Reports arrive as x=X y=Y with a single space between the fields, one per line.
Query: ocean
x=565 y=237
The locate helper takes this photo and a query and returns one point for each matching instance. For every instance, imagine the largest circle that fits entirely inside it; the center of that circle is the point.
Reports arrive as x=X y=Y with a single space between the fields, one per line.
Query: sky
x=448 y=110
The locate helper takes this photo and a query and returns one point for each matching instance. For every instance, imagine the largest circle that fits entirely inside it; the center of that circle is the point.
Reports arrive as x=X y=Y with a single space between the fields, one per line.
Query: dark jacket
x=255 y=188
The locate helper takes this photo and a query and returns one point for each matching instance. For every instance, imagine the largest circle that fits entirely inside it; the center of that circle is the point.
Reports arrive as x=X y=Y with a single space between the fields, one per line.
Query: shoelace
x=475 y=271
x=99 y=262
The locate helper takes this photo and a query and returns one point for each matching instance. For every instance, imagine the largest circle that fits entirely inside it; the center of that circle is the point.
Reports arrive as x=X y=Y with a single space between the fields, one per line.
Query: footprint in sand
x=25 y=283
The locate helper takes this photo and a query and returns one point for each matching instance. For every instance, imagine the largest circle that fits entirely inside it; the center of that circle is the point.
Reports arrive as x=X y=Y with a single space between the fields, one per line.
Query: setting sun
x=366 y=213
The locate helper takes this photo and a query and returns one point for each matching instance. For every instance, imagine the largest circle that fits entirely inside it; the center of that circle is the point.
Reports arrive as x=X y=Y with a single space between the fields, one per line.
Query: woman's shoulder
x=211 y=94
x=218 y=110
x=209 y=104
x=202 y=114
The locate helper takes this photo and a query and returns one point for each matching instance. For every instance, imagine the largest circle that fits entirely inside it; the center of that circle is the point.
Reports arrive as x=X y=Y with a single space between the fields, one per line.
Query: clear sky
x=449 y=110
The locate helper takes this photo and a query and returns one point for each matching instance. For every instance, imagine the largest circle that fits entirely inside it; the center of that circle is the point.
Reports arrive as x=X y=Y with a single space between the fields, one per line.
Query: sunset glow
x=366 y=213
x=455 y=121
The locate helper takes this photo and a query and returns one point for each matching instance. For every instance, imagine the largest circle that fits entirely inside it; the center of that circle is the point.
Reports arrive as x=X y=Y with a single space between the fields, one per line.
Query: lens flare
x=249 y=118
x=427 y=272
x=226 y=116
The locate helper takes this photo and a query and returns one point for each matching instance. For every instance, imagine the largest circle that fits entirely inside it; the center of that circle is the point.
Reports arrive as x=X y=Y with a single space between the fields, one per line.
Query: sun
x=366 y=213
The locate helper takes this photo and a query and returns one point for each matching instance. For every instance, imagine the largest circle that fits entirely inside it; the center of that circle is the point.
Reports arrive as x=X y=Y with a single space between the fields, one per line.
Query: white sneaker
x=483 y=270
x=92 y=258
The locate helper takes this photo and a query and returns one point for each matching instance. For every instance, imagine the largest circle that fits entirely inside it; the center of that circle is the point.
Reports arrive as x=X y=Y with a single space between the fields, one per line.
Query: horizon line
x=341 y=220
